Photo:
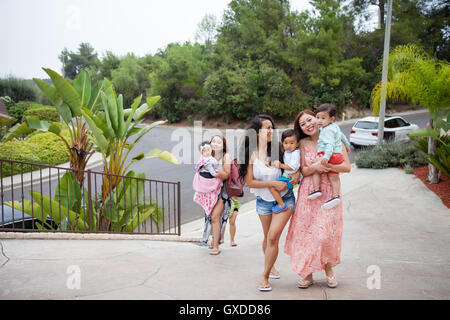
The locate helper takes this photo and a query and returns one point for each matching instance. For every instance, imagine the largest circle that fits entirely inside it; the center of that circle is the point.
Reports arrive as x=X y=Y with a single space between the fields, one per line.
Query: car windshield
x=366 y=125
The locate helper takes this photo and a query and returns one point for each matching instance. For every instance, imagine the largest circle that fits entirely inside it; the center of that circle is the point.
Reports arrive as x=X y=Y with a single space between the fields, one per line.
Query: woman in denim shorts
x=259 y=175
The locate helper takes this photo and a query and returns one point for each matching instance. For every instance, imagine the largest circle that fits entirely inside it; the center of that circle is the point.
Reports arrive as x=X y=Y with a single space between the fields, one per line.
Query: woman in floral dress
x=315 y=235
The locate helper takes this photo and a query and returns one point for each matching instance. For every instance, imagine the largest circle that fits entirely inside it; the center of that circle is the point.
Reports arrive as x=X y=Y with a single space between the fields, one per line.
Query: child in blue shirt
x=329 y=147
x=290 y=140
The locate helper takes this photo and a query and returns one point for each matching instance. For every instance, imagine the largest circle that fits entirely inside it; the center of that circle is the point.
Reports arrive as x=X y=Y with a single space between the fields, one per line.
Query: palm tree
x=415 y=77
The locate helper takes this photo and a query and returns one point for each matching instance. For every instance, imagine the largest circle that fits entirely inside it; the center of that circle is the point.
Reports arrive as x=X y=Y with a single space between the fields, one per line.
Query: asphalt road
x=170 y=139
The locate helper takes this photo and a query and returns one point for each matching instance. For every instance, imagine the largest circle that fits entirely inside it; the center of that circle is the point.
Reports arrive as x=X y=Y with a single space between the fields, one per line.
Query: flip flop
x=274 y=276
x=332 y=282
x=265 y=288
x=214 y=252
x=304 y=284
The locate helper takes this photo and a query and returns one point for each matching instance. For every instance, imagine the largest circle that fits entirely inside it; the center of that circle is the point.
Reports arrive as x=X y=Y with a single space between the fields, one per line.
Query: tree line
x=264 y=57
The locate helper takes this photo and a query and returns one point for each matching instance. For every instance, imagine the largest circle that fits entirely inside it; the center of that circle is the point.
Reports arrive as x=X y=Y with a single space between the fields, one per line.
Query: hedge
x=17 y=110
x=43 y=148
x=46 y=113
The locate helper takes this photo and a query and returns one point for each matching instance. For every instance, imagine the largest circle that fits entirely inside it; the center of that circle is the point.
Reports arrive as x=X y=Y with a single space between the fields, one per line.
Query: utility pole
x=387 y=37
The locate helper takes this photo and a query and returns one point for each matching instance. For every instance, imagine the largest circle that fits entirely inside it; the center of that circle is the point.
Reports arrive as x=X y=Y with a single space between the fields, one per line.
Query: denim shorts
x=265 y=207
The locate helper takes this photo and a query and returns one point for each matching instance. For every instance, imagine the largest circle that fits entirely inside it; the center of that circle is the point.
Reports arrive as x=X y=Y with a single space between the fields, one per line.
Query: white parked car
x=365 y=131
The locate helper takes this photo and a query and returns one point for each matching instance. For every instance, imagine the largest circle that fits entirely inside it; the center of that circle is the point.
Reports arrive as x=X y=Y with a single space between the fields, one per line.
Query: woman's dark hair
x=245 y=150
x=290 y=133
x=297 y=124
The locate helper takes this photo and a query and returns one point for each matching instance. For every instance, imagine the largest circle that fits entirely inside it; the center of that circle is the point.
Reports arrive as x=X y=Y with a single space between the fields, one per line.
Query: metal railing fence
x=36 y=197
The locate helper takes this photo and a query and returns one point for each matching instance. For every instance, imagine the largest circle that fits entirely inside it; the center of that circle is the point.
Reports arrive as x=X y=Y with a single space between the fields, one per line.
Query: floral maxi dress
x=315 y=235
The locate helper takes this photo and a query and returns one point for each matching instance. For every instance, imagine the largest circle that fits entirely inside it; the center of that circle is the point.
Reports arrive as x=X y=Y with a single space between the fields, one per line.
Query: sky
x=34 y=32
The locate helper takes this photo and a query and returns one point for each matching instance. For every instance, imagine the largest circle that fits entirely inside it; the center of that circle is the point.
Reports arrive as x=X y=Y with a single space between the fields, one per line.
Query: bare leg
x=233 y=227
x=335 y=184
x=316 y=181
x=276 y=195
x=277 y=224
x=332 y=282
x=265 y=222
x=215 y=224
x=222 y=235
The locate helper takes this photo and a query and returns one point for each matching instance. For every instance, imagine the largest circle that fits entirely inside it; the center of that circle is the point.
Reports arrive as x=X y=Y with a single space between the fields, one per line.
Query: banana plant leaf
x=428 y=133
x=95 y=101
x=16 y=131
x=32 y=209
x=35 y=123
x=82 y=84
x=67 y=92
x=49 y=91
x=57 y=212
x=143 y=131
x=99 y=138
x=163 y=155
x=68 y=192
x=139 y=218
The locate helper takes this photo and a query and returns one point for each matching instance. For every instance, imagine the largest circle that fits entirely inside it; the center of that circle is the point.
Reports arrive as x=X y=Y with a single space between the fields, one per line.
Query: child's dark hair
x=327 y=107
x=204 y=143
x=290 y=133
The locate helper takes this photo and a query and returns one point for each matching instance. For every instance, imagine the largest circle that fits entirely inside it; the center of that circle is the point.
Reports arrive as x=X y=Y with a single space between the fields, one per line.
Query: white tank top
x=263 y=173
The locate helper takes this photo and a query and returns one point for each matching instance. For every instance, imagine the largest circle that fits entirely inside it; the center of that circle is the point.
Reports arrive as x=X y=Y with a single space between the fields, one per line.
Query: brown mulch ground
x=441 y=189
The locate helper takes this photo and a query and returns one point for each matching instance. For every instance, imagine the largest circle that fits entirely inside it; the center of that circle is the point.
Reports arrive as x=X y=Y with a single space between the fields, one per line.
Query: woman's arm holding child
x=252 y=183
x=226 y=168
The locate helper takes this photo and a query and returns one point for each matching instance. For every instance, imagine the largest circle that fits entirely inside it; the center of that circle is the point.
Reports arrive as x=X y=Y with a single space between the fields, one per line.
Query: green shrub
x=41 y=148
x=408 y=169
x=6 y=122
x=391 y=154
x=46 y=113
x=17 y=110
x=18 y=89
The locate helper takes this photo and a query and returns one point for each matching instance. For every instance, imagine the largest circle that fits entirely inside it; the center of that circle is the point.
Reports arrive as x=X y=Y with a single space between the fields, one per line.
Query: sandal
x=304 y=284
x=274 y=275
x=214 y=252
x=331 y=281
x=266 y=287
